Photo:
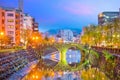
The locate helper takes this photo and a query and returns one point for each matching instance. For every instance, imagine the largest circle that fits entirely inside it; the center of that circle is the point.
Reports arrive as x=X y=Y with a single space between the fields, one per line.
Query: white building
x=27 y=25
x=76 y=39
x=67 y=36
x=27 y=22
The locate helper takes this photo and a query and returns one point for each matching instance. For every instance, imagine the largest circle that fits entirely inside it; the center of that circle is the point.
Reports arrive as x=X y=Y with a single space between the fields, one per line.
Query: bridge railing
x=114 y=51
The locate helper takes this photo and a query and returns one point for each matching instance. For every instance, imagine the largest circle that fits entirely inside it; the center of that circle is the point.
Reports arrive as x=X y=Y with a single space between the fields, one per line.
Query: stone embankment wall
x=111 y=66
x=12 y=62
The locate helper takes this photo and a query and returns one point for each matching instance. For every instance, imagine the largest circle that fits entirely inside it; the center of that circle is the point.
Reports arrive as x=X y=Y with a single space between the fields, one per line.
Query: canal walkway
x=21 y=73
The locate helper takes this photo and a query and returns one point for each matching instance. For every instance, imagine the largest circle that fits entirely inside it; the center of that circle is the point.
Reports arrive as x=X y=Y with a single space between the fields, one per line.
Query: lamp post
x=1 y=34
x=35 y=38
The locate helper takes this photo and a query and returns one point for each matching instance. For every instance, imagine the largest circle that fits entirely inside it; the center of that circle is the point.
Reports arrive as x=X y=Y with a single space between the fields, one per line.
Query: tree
x=106 y=35
x=7 y=40
x=36 y=39
x=109 y=64
x=25 y=36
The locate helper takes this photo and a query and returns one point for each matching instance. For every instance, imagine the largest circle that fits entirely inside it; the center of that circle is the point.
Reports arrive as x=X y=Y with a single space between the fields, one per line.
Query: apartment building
x=10 y=23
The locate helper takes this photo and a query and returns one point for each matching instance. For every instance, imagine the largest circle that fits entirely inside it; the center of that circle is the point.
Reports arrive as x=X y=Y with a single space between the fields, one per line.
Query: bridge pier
x=63 y=57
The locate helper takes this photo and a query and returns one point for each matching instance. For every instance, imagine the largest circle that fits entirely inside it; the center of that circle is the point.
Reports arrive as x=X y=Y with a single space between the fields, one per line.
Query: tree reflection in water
x=38 y=74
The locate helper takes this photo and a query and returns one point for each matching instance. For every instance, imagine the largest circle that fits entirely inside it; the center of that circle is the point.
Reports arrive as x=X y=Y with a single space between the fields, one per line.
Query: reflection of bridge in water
x=63 y=50
x=63 y=62
x=72 y=56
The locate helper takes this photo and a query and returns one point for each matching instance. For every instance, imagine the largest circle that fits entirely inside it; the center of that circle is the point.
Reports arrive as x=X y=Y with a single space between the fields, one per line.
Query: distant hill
x=55 y=31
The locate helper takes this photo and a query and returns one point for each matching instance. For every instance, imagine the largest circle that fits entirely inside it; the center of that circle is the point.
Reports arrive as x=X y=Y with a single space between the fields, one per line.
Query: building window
x=16 y=28
x=10 y=14
x=35 y=28
x=17 y=16
x=3 y=21
x=12 y=39
x=11 y=26
x=10 y=20
x=10 y=32
x=21 y=15
x=3 y=14
x=25 y=19
x=17 y=22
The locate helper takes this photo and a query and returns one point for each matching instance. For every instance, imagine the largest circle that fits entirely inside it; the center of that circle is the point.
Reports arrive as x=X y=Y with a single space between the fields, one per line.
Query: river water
x=72 y=56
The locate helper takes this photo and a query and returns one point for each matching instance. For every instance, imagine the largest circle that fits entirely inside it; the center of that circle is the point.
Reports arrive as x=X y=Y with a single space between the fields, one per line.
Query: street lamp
x=118 y=36
x=35 y=39
x=113 y=35
x=1 y=34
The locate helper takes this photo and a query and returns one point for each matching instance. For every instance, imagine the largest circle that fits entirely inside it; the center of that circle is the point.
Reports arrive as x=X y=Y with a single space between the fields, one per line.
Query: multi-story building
x=11 y=21
x=76 y=39
x=107 y=17
x=28 y=22
x=35 y=27
x=27 y=28
x=67 y=36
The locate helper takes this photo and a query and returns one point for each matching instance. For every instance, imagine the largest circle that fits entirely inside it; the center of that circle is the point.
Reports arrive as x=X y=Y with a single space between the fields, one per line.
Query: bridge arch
x=82 y=53
x=62 y=49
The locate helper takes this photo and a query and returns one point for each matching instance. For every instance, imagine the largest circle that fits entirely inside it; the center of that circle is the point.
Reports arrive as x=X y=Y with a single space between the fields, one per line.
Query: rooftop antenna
x=20 y=5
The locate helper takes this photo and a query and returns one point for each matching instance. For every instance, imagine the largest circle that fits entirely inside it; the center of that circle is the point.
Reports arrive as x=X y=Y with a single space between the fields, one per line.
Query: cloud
x=78 y=8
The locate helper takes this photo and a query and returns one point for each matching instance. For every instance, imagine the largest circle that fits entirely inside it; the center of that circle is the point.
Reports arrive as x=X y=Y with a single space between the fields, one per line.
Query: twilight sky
x=57 y=14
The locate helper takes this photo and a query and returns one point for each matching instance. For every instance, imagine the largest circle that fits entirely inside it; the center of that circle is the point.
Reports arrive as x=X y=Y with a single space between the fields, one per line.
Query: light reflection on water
x=38 y=74
x=72 y=56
